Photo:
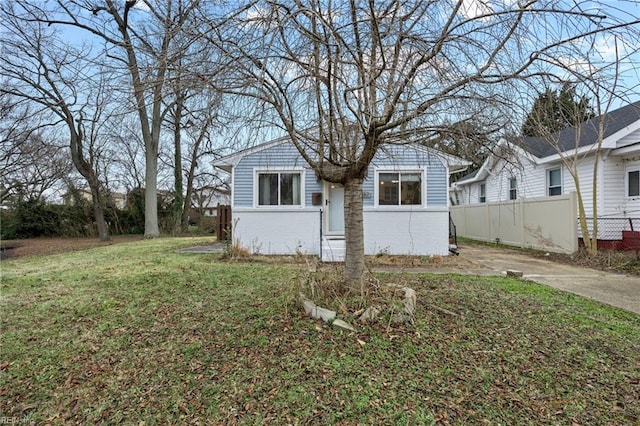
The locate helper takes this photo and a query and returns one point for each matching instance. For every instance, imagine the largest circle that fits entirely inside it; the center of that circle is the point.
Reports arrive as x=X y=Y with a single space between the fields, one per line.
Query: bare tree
x=192 y=117
x=345 y=78
x=200 y=151
x=50 y=75
x=129 y=169
x=138 y=35
x=30 y=165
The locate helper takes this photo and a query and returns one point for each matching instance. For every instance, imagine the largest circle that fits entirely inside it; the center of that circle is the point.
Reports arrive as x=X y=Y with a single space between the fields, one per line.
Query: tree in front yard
x=345 y=78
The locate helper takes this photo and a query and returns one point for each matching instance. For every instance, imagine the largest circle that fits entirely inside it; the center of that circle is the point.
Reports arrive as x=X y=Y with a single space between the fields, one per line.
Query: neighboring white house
x=119 y=199
x=207 y=198
x=532 y=167
x=279 y=206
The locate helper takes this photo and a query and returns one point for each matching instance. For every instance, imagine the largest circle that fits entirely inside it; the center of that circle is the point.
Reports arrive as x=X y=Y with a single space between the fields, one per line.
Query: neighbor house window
x=279 y=189
x=513 y=188
x=633 y=183
x=401 y=188
x=554 y=182
x=483 y=193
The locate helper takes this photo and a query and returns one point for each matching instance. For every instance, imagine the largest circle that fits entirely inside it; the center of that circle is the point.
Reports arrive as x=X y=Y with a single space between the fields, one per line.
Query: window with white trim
x=483 y=193
x=279 y=188
x=633 y=183
x=554 y=182
x=513 y=188
x=399 y=188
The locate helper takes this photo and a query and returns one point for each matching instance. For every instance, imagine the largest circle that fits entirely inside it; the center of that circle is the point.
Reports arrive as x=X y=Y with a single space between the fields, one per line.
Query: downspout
x=320 y=234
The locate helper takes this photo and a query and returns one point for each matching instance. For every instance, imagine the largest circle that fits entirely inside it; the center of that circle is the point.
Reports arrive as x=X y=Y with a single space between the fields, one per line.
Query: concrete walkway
x=622 y=291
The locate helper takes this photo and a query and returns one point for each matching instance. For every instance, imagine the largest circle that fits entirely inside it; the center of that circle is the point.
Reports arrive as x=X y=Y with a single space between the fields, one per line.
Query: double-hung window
x=483 y=193
x=513 y=188
x=279 y=189
x=633 y=183
x=554 y=182
x=399 y=188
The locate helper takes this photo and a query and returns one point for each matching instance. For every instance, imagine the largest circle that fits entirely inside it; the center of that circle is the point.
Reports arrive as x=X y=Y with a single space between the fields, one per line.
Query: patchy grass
x=137 y=332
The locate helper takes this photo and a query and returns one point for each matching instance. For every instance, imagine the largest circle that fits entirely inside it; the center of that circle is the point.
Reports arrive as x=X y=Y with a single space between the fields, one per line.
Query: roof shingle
x=587 y=132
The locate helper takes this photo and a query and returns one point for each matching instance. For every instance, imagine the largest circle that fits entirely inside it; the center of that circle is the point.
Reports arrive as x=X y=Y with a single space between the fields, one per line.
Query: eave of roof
x=484 y=170
x=227 y=162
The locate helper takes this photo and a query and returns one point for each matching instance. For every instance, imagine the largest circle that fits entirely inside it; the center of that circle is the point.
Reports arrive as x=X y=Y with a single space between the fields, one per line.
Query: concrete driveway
x=622 y=291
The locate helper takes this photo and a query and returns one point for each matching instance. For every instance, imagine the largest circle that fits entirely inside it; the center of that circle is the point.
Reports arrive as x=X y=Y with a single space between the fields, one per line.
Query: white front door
x=335 y=209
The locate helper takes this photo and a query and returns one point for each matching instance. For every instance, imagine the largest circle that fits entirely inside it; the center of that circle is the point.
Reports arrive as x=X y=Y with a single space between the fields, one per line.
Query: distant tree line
x=29 y=217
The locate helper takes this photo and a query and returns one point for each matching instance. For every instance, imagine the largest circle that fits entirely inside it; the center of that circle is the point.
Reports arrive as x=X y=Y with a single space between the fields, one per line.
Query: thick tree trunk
x=98 y=205
x=178 y=200
x=101 y=223
x=86 y=170
x=354 y=235
x=186 y=209
x=151 y=229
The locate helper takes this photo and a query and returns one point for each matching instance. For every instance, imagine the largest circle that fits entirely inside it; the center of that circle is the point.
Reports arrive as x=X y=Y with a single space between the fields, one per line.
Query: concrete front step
x=333 y=249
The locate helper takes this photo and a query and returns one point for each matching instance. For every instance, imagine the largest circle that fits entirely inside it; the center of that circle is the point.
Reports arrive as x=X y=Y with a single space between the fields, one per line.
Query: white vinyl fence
x=548 y=223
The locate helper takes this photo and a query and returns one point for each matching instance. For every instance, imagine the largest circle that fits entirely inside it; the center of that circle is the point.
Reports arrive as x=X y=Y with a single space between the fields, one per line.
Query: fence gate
x=223 y=227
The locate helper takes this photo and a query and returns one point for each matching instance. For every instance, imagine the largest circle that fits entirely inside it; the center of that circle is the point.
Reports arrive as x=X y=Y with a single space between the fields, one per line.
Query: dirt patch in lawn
x=12 y=249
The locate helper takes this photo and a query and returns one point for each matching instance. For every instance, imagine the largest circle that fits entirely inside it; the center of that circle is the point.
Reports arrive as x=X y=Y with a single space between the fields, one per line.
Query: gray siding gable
x=391 y=157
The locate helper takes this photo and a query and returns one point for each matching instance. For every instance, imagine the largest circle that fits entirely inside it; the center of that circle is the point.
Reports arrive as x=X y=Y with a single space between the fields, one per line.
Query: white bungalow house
x=531 y=167
x=279 y=206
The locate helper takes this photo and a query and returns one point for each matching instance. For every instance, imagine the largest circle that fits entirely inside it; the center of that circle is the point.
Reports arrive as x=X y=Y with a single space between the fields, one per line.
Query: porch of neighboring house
x=615 y=233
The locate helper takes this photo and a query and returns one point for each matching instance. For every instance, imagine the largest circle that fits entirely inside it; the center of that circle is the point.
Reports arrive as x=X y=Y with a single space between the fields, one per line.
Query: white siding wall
x=420 y=232
x=277 y=231
x=532 y=183
x=468 y=194
x=630 y=139
x=393 y=231
x=618 y=202
x=613 y=186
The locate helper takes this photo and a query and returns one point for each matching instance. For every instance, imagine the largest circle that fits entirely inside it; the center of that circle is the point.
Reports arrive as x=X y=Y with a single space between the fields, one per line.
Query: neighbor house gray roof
x=587 y=132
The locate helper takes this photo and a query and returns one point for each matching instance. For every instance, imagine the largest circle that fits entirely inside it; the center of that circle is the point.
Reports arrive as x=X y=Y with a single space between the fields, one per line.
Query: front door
x=335 y=209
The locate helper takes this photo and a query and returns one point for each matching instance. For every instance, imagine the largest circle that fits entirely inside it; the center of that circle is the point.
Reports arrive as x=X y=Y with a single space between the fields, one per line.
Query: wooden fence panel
x=223 y=229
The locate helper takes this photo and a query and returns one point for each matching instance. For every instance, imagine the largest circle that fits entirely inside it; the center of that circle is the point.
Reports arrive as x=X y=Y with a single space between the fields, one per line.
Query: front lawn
x=137 y=332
